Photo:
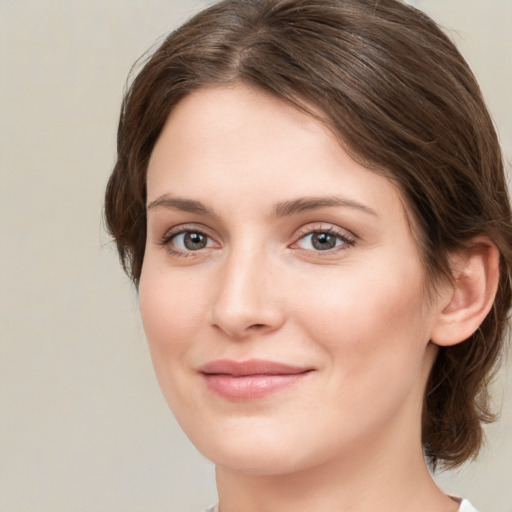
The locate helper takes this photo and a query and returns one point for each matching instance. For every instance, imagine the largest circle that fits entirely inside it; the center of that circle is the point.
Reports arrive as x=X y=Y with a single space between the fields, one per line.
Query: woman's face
x=282 y=293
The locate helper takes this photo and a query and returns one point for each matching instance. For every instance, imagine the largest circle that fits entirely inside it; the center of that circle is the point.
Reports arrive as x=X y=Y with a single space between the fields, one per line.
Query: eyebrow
x=281 y=209
x=178 y=203
x=286 y=208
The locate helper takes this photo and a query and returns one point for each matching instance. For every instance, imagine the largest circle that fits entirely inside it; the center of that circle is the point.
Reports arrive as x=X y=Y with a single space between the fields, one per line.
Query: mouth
x=252 y=379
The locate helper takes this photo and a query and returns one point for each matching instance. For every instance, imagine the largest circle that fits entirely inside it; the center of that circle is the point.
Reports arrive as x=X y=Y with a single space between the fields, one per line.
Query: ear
x=466 y=302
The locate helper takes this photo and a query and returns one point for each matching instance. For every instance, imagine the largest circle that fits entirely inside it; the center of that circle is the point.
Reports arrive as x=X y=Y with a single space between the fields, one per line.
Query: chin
x=259 y=449
x=256 y=462
x=251 y=449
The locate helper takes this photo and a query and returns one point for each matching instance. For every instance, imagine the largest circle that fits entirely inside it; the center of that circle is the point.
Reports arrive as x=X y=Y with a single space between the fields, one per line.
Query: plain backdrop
x=82 y=424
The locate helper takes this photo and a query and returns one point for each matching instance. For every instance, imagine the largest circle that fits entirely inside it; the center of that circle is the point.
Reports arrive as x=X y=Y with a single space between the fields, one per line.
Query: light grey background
x=82 y=424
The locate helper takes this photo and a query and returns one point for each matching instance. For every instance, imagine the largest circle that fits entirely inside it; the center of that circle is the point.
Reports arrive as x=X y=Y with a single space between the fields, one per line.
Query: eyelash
x=346 y=240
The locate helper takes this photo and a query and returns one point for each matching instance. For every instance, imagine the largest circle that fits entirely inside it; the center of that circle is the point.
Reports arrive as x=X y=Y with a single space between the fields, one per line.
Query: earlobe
x=469 y=298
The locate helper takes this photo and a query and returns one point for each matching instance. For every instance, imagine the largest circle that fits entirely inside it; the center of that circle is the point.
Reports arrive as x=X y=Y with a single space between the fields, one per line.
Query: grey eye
x=194 y=241
x=321 y=241
x=190 y=241
x=324 y=241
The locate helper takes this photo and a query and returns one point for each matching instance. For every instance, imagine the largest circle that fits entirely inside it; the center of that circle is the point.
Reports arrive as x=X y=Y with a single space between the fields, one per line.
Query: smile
x=251 y=379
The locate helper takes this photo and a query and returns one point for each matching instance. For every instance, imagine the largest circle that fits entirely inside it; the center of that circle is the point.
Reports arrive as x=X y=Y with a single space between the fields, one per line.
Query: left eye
x=190 y=241
x=321 y=241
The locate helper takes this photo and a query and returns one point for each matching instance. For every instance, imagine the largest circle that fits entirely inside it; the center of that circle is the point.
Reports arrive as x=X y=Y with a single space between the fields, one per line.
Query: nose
x=247 y=301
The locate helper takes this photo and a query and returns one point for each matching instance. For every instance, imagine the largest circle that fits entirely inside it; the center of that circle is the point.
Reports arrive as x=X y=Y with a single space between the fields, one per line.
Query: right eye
x=186 y=241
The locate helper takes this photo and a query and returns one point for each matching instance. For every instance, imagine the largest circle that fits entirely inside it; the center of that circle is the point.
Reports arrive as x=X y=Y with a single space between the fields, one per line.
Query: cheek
x=172 y=301
x=173 y=312
x=374 y=337
x=370 y=324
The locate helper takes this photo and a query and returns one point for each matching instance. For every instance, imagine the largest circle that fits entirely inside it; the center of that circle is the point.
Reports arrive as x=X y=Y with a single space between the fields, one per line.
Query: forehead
x=227 y=143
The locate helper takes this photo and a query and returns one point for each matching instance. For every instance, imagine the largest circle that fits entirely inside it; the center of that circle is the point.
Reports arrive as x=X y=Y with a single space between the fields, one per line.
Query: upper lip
x=250 y=367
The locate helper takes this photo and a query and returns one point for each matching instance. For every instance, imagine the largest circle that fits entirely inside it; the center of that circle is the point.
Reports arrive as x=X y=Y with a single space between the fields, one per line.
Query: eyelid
x=183 y=228
x=317 y=227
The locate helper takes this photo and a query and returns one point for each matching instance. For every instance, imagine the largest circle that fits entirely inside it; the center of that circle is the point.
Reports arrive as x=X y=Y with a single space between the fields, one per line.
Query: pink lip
x=245 y=380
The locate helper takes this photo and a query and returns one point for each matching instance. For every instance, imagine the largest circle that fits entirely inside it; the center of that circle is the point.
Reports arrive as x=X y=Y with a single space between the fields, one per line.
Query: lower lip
x=250 y=387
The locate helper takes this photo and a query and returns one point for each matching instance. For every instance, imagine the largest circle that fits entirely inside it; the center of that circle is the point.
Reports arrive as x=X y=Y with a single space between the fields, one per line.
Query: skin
x=346 y=437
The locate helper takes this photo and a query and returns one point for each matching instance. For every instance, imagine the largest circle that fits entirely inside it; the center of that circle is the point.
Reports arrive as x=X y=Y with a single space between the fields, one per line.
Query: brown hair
x=402 y=100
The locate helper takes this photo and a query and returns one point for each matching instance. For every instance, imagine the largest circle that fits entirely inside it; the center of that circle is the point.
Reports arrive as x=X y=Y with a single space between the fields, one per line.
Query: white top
x=465 y=506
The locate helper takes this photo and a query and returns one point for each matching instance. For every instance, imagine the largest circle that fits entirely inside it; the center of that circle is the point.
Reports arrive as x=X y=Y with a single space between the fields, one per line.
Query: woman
x=309 y=196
